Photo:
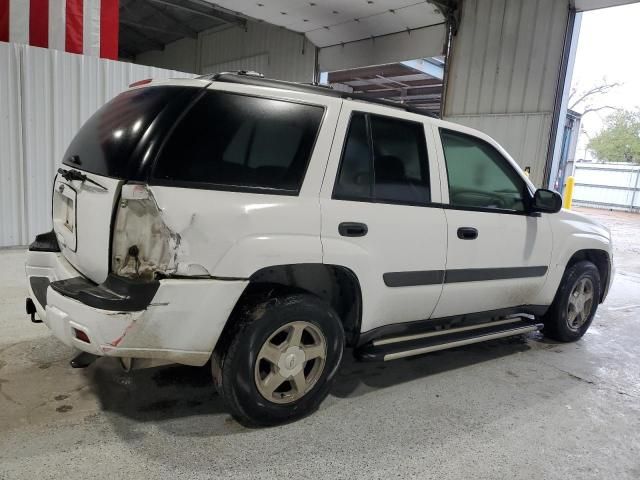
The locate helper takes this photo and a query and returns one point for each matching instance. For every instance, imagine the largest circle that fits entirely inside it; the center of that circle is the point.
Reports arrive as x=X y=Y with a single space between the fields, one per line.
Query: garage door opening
x=600 y=82
x=417 y=83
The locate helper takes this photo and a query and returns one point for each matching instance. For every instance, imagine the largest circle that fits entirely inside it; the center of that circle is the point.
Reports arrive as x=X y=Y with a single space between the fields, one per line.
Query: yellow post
x=568 y=193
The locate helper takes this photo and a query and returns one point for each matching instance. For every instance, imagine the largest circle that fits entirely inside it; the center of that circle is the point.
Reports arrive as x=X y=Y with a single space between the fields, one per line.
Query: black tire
x=557 y=319
x=235 y=375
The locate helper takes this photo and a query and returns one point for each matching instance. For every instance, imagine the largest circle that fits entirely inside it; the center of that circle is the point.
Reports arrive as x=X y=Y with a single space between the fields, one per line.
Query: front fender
x=572 y=233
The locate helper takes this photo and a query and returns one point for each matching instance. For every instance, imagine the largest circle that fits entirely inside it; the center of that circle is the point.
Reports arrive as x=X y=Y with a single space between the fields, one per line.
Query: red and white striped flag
x=89 y=27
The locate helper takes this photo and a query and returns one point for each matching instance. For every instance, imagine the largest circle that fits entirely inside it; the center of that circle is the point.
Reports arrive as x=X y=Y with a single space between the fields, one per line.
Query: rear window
x=105 y=143
x=233 y=141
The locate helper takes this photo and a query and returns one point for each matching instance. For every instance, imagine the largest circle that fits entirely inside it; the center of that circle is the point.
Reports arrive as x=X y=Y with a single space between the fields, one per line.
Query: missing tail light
x=80 y=335
x=143 y=245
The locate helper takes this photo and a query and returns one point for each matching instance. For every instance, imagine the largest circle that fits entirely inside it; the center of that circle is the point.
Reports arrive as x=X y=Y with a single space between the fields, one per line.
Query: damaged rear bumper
x=174 y=320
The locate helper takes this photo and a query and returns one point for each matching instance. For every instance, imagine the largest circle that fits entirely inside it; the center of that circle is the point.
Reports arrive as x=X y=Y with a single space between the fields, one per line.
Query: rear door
x=377 y=213
x=498 y=254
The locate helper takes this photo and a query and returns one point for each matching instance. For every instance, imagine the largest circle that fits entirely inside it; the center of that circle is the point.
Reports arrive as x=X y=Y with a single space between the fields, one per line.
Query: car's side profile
x=265 y=226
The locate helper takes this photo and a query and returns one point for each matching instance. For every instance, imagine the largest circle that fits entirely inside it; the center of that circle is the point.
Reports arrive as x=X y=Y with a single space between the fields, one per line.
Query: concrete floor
x=516 y=409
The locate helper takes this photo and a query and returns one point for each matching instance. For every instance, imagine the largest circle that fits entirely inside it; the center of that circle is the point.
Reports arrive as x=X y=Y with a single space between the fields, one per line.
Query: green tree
x=619 y=140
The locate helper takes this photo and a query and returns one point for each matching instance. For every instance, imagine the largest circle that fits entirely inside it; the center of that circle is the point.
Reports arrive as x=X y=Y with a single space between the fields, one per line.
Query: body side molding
x=433 y=277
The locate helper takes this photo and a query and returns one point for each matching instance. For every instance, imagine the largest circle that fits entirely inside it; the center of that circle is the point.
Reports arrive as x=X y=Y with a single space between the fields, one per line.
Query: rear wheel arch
x=270 y=373
x=336 y=285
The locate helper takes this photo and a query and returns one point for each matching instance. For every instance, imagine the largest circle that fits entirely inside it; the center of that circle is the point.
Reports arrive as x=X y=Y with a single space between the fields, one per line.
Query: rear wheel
x=281 y=360
x=575 y=303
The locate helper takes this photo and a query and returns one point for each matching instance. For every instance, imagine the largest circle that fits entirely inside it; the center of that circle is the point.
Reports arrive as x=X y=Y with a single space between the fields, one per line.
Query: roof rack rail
x=256 y=79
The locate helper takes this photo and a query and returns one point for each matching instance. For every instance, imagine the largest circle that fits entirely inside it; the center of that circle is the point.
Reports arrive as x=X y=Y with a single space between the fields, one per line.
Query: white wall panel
x=524 y=136
x=290 y=55
x=608 y=185
x=397 y=47
x=45 y=96
x=504 y=67
x=39 y=160
x=12 y=229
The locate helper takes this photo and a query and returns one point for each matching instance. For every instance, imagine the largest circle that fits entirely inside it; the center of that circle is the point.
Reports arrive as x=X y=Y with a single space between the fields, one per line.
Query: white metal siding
x=607 y=185
x=12 y=229
x=504 y=68
x=524 y=136
x=290 y=56
x=396 y=47
x=45 y=96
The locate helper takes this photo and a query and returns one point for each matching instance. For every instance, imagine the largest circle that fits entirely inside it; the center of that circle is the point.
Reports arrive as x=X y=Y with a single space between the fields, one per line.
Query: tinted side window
x=479 y=176
x=396 y=152
x=400 y=161
x=354 y=177
x=236 y=141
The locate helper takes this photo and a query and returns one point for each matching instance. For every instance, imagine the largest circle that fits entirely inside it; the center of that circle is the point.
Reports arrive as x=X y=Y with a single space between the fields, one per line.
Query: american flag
x=89 y=27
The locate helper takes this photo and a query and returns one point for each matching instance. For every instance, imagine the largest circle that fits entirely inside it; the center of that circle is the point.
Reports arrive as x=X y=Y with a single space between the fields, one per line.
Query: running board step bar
x=406 y=346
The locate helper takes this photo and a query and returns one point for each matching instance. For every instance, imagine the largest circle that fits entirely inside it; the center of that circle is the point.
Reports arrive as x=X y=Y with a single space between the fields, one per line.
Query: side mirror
x=546 y=201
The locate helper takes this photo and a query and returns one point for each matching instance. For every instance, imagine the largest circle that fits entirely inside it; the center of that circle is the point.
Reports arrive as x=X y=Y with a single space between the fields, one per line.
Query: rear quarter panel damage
x=234 y=234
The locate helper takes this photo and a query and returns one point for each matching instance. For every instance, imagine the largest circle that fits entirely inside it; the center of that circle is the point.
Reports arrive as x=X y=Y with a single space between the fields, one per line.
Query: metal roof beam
x=425 y=67
x=434 y=90
x=203 y=9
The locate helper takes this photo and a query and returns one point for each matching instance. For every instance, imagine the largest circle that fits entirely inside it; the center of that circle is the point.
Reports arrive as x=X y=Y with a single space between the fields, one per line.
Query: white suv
x=266 y=226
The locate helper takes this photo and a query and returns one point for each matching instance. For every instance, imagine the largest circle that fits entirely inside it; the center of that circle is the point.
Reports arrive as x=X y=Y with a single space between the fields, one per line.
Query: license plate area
x=65 y=216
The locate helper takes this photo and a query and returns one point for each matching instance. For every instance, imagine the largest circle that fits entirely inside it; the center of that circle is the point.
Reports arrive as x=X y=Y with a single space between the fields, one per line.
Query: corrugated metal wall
x=395 y=47
x=45 y=96
x=12 y=228
x=256 y=63
x=523 y=135
x=180 y=55
x=503 y=73
x=290 y=56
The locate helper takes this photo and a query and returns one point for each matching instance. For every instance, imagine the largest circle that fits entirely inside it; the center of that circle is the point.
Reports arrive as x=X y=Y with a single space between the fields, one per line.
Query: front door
x=498 y=254
x=377 y=213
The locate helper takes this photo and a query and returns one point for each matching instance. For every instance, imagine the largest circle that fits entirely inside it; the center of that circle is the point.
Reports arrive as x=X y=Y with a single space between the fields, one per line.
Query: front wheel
x=575 y=304
x=281 y=361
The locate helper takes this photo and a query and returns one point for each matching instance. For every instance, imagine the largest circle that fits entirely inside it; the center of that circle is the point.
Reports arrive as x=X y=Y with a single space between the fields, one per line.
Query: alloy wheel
x=290 y=362
x=580 y=304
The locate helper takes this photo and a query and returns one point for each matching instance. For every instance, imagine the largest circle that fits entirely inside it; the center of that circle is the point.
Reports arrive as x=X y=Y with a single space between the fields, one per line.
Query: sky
x=608 y=48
